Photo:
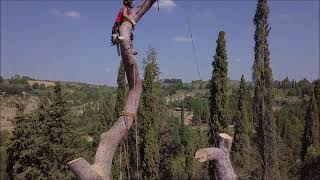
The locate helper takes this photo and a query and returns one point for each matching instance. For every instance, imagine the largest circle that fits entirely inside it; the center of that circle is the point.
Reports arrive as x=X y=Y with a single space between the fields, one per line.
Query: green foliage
x=42 y=143
x=311 y=135
x=119 y=105
x=121 y=90
x=311 y=168
x=242 y=152
x=218 y=96
x=97 y=118
x=21 y=157
x=4 y=137
x=317 y=93
x=168 y=135
x=84 y=93
x=148 y=116
x=35 y=86
x=263 y=84
x=198 y=106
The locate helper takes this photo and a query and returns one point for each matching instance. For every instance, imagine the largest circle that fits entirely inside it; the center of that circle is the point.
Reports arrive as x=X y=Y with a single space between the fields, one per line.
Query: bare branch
x=110 y=140
x=221 y=155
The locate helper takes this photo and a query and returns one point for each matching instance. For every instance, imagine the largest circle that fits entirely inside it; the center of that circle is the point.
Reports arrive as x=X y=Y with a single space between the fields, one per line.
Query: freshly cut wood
x=221 y=156
x=110 y=140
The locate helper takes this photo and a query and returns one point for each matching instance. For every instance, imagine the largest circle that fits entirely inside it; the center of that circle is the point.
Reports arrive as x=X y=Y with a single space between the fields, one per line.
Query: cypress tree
x=188 y=161
x=186 y=146
x=121 y=90
x=44 y=142
x=22 y=161
x=241 y=145
x=120 y=102
x=149 y=146
x=59 y=133
x=218 y=96
x=311 y=136
x=182 y=115
x=262 y=109
x=317 y=93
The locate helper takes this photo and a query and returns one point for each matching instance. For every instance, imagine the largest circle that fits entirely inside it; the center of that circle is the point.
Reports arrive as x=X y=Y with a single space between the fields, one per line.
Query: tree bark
x=110 y=140
x=221 y=155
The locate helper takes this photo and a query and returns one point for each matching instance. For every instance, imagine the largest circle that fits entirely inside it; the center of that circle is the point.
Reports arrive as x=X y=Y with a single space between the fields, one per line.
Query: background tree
x=46 y=140
x=21 y=156
x=148 y=118
x=262 y=79
x=241 y=154
x=58 y=132
x=218 y=96
x=121 y=90
x=118 y=165
x=311 y=135
x=317 y=93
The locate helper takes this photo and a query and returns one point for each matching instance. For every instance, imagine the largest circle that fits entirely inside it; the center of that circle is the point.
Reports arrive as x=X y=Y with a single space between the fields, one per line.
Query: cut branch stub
x=110 y=140
x=221 y=155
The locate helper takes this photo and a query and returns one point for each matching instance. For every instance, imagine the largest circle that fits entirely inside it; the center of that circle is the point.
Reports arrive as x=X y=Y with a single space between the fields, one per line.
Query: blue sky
x=69 y=40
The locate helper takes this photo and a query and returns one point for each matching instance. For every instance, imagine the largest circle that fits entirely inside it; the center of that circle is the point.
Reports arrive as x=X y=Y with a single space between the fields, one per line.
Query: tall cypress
x=149 y=145
x=262 y=109
x=59 y=133
x=121 y=90
x=118 y=166
x=317 y=93
x=186 y=147
x=241 y=144
x=218 y=96
x=311 y=136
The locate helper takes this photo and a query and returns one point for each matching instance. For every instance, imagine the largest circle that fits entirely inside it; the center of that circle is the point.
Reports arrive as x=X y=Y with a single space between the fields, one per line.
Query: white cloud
x=165 y=4
x=72 y=14
x=182 y=39
x=69 y=14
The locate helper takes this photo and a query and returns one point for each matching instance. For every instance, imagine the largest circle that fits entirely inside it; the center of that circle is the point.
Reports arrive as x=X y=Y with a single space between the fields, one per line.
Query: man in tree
x=123 y=15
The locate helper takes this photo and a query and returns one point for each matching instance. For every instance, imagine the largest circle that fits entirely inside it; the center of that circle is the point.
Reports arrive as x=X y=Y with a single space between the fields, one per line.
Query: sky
x=69 y=40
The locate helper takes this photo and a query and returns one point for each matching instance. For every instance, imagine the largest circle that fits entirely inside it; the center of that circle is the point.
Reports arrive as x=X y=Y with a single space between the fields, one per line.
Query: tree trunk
x=110 y=140
x=221 y=155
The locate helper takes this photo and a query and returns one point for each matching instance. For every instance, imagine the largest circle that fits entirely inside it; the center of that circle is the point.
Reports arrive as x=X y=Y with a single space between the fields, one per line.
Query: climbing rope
x=137 y=149
x=194 y=48
x=130 y=114
x=126 y=146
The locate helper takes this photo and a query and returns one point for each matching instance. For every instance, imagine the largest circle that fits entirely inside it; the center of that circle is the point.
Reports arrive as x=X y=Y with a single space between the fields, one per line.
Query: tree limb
x=110 y=140
x=221 y=155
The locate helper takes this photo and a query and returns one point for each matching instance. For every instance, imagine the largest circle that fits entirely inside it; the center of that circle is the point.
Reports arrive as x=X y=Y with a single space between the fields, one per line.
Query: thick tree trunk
x=110 y=140
x=221 y=155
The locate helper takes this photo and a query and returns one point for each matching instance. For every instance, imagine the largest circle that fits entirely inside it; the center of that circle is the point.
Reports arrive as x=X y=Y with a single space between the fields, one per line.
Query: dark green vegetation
x=173 y=142
x=42 y=142
x=219 y=120
x=275 y=124
x=266 y=135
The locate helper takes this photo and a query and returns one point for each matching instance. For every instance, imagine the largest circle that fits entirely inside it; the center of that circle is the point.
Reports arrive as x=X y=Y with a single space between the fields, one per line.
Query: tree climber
x=123 y=15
